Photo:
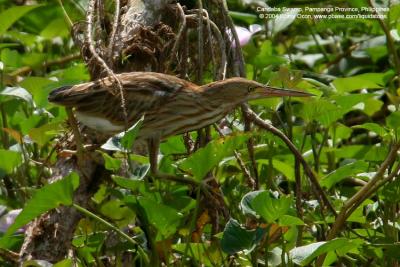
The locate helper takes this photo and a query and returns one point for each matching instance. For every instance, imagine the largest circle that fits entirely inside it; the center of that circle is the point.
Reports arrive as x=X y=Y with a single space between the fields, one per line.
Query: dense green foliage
x=345 y=133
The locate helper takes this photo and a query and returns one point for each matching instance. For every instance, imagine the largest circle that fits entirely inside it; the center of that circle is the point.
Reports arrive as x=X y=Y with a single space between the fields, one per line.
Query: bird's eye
x=250 y=89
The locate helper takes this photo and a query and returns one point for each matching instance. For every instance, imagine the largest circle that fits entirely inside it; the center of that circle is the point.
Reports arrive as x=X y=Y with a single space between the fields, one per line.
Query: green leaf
x=372 y=106
x=284 y=20
x=391 y=192
x=128 y=138
x=19 y=93
x=11 y=15
x=164 y=218
x=321 y=110
x=64 y=263
x=393 y=120
x=305 y=254
x=269 y=208
x=362 y=81
x=37 y=263
x=373 y=127
x=246 y=17
x=46 y=198
x=245 y=203
x=266 y=56
x=204 y=159
x=236 y=238
x=111 y=163
x=343 y=172
x=287 y=220
x=201 y=252
x=57 y=27
x=11 y=58
x=39 y=87
x=13 y=160
x=124 y=141
x=43 y=134
x=131 y=184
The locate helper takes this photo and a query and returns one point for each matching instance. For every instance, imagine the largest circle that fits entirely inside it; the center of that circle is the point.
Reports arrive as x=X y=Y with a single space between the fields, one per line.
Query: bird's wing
x=143 y=91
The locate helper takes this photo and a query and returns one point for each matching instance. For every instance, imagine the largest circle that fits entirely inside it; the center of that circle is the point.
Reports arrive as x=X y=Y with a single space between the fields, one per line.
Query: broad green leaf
x=288 y=220
x=245 y=203
x=64 y=263
x=10 y=160
x=249 y=18
x=46 y=198
x=348 y=101
x=362 y=81
x=39 y=87
x=11 y=15
x=391 y=192
x=43 y=134
x=236 y=238
x=343 y=172
x=305 y=254
x=204 y=159
x=164 y=218
x=18 y=92
x=372 y=105
x=130 y=135
x=111 y=163
x=269 y=208
x=11 y=58
x=57 y=27
x=393 y=120
x=116 y=210
x=266 y=56
x=131 y=184
x=373 y=127
x=321 y=110
x=202 y=252
x=124 y=141
x=377 y=52
x=282 y=22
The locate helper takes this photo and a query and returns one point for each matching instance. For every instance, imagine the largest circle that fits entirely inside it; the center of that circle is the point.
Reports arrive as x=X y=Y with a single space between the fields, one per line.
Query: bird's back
x=100 y=100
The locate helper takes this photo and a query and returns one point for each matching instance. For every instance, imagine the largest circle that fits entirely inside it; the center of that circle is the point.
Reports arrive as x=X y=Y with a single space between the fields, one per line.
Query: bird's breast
x=99 y=124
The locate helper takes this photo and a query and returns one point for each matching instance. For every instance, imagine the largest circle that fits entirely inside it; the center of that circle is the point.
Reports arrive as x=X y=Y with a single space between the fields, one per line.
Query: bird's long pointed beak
x=268 y=91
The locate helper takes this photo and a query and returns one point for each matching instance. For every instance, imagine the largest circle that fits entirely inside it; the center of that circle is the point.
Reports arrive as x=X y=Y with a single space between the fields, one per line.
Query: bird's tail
x=69 y=96
x=59 y=95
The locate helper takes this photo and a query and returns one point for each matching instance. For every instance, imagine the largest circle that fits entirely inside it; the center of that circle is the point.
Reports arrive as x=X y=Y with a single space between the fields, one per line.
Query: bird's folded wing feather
x=143 y=91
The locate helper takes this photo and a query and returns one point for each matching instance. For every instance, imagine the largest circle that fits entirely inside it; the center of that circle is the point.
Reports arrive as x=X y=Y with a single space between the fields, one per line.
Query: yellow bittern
x=169 y=104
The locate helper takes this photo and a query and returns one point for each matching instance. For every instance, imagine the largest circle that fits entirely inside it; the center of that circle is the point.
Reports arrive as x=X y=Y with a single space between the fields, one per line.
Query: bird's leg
x=153 y=146
x=77 y=134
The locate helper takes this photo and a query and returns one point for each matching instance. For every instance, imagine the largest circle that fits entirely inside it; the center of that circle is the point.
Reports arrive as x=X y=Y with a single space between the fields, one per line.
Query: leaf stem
x=114 y=228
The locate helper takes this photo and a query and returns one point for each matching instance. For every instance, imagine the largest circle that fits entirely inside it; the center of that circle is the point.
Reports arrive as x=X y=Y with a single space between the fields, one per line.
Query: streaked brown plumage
x=171 y=105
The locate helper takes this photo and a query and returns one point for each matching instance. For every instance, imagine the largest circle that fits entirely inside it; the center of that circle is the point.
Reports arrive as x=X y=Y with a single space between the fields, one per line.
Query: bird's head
x=237 y=90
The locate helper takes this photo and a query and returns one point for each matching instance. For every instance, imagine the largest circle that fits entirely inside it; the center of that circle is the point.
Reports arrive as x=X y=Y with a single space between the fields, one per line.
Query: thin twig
x=318 y=191
x=223 y=64
x=111 y=44
x=242 y=73
x=366 y=191
x=210 y=43
x=9 y=255
x=390 y=43
x=181 y=30
x=26 y=69
x=100 y=60
x=344 y=213
x=250 y=180
x=70 y=23
x=299 y=196
x=200 y=44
